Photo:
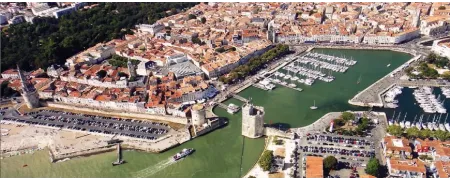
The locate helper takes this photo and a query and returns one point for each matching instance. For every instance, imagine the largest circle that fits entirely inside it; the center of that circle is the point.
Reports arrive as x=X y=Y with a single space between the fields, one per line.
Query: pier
x=421 y=82
x=371 y=96
x=240 y=98
x=119 y=156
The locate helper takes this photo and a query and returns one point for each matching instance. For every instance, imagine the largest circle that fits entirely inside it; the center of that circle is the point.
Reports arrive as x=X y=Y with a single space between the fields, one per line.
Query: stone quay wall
x=268 y=131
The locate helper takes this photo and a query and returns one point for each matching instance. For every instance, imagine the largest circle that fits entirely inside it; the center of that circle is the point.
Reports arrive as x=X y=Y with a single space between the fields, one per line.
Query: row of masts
x=435 y=123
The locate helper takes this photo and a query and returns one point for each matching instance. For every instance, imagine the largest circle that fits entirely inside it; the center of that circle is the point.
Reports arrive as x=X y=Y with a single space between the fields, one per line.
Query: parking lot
x=90 y=123
x=350 y=151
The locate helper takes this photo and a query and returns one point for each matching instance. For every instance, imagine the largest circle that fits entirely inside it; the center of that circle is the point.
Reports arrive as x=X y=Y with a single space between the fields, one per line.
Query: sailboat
x=388 y=65
x=419 y=124
x=314 y=107
x=441 y=125
x=429 y=124
x=408 y=123
x=391 y=121
x=447 y=124
x=359 y=80
x=425 y=125
x=402 y=123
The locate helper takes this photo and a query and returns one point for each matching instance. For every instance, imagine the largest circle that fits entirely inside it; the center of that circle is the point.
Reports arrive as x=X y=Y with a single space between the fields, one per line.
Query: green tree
x=395 y=130
x=412 y=132
x=441 y=135
x=265 y=162
x=330 y=163
x=347 y=116
x=101 y=74
x=220 y=50
x=49 y=40
x=6 y=91
x=203 y=20
x=196 y=40
x=373 y=167
x=192 y=16
x=425 y=133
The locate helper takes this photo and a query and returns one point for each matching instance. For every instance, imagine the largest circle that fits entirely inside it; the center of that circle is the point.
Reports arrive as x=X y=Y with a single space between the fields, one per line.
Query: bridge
x=240 y=98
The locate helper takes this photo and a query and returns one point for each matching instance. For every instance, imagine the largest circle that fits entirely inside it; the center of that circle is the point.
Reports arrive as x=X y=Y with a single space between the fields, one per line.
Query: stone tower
x=198 y=115
x=252 y=121
x=29 y=93
x=131 y=68
x=416 y=19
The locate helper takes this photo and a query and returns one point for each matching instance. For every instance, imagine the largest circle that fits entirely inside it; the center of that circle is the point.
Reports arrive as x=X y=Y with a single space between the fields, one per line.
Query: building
x=92 y=55
x=405 y=168
x=442 y=47
x=3 y=19
x=17 y=19
x=150 y=28
x=10 y=74
x=198 y=115
x=434 y=25
x=441 y=169
x=54 y=70
x=29 y=92
x=60 y=12
x=436 y=149
x=131 y=69
x=314 y=167
x=252 y=121
x=396 y=148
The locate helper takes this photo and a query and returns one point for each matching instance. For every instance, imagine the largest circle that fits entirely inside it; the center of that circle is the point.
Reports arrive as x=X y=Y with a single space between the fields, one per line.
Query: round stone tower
x=252 y=121
x=198 y=114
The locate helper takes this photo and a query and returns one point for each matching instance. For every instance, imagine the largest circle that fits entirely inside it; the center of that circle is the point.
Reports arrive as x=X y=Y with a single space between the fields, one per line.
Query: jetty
x=371 y=96
x=119 y=156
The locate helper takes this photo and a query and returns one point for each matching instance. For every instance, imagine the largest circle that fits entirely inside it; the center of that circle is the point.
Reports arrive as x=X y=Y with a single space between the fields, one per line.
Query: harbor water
x=224 y=152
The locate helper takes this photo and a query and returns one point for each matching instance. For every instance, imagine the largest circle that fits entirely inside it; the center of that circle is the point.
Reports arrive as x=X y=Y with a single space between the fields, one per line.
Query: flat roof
x=314 y=167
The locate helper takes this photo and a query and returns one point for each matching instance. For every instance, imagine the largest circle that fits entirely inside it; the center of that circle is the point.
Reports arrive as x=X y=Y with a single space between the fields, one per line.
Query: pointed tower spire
x=23 y=79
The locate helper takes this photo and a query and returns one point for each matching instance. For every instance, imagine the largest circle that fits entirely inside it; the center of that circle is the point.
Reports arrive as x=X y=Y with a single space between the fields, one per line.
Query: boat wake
x=151 y=170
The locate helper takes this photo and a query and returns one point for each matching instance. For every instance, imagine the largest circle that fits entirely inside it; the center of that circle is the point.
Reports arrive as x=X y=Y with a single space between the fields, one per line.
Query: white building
x=442 y=47
x=390 y=38
x=151 y=29
x=434 y=25
x=61 y=12
x=54 y=70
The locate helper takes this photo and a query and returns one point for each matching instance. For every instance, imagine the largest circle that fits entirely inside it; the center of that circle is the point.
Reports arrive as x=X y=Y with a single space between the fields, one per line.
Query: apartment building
x=406 y=168
x=93 y=55
x=442 y=47
x=396 y=147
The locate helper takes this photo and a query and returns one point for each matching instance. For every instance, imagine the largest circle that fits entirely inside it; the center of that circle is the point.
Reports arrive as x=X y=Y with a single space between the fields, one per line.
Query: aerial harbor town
x=226 y=89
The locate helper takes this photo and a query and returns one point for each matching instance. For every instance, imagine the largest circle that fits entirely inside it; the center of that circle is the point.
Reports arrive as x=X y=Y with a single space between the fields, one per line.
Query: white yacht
x=408 y=124
x=388 y=65
x=402 y=124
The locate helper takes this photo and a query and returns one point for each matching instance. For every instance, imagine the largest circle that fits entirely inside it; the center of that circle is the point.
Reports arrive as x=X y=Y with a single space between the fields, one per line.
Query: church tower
x=29 y=93
x=131 y=69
